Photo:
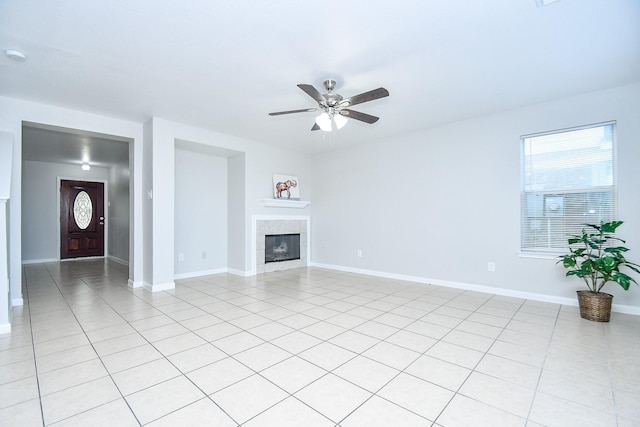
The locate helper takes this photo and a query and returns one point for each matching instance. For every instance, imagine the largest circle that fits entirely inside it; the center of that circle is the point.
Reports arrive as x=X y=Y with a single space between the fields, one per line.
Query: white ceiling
x=225 y=64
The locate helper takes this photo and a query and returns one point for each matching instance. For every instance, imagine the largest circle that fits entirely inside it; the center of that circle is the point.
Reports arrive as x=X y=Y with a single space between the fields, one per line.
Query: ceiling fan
x=335 y=109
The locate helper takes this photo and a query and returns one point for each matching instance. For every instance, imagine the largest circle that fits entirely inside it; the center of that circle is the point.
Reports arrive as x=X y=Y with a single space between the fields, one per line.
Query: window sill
x=539 y=255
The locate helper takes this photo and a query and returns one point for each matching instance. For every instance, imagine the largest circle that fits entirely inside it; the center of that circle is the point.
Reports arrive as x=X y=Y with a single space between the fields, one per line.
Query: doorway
x=81 y=219
x=51 y=154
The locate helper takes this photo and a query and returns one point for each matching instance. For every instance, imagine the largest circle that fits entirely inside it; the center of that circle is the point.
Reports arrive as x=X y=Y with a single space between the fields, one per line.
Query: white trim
x=626 y=309
x=240 y=272
x=159 y=287
x=5 y=285
x=285 y=203
x=199 y=273
x=42 y=261
x=17 y=302
x=569 y=129
x=118 y=260
x=81 y=258
x=38 y=261
x=134 y=285
x=539 y=255
x=5 y=328
x=254 y=228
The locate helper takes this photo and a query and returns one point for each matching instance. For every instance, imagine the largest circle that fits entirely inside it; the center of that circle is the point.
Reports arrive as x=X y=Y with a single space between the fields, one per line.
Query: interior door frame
x=106 y=213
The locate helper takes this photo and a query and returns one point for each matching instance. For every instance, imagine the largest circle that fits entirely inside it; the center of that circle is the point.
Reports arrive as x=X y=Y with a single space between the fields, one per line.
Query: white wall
x=6 y=158
x=200 y=212
x=439 y=204
x=435 y=205
x=40 y=209
x=119 y=206
x=160 y=194
x=260 y=163
x=235 y=213
x=151 y=213
x=146 y=204
x=14 y=112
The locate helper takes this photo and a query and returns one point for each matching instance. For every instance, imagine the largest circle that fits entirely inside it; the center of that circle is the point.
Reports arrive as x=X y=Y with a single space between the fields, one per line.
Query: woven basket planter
x=595 y=306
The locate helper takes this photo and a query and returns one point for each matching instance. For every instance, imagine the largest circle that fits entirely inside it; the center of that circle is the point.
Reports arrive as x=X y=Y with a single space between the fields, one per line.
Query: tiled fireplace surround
x=267 y=225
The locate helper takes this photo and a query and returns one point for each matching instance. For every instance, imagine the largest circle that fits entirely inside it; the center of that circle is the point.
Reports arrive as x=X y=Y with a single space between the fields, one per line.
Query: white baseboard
x=240 y=272
x=626 y=309
x=159 y=287
x=118 y=260
x=5 y=328
x=199 y=273
x=17 y=302
x=233 y=271
x=82 y=258
x=39 y=261
x=133 y=284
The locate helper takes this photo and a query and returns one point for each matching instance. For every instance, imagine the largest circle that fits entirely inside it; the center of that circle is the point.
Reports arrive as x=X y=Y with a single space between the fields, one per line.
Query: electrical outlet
x=360 y=253
x=491 y=266
x=180 y=257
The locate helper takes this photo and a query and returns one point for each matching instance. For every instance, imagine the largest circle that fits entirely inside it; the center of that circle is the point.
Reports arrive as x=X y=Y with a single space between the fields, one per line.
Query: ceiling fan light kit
x=324 y=121
x=334 y=106
x=340 y=120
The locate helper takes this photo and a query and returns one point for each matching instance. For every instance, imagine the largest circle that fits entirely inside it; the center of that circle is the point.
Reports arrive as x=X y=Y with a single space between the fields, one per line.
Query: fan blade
x=312 y=92
x=364 y=97
x=315 y=127
x=304 y=110
x=367 y=118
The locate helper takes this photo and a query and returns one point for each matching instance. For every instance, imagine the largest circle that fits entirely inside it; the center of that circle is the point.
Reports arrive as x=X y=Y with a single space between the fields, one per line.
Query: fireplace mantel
x=285 y=203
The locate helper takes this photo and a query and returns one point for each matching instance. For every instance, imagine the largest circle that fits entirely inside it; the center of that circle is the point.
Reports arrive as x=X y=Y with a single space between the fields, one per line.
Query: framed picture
x=285 y=187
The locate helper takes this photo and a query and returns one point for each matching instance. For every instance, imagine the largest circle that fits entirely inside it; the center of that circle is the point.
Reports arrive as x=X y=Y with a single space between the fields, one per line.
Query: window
x=567 y=181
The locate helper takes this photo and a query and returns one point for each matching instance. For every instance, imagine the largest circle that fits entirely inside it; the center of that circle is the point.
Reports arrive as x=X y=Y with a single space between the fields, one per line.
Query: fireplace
x=281 y=247
x=266 y=260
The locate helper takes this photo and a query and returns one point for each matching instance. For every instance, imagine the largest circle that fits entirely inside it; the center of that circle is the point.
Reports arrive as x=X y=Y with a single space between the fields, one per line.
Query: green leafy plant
x=596 y=257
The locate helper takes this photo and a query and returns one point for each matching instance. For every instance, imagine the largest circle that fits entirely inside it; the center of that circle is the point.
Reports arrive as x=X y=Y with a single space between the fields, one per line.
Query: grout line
x=326 y=290
x=33 y=344
x=96 y=352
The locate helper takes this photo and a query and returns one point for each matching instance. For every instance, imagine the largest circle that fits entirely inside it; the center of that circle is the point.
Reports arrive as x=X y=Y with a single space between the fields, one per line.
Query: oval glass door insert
x=82 y=210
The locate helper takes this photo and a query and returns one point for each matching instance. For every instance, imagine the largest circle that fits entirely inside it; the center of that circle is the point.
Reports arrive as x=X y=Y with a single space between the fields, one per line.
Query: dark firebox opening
x=281 y=247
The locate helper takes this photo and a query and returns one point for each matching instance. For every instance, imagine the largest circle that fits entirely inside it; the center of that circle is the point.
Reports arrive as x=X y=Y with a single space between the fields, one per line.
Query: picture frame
x=285 y=187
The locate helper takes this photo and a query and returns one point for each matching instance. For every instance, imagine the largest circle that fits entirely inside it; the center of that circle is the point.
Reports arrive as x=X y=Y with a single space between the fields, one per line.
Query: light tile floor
x=306 y=347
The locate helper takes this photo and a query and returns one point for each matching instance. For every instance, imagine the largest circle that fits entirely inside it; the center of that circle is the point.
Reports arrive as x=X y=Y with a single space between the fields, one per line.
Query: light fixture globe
x=340 y=120
x=324 y=121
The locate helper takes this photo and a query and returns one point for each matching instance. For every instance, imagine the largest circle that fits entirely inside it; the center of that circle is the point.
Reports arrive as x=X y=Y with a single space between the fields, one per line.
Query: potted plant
x=596 y=257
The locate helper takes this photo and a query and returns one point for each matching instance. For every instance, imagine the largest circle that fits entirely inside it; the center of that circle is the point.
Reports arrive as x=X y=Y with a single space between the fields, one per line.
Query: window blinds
x=567 y=181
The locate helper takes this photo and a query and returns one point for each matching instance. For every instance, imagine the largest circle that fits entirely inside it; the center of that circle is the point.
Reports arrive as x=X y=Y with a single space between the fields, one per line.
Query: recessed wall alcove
x=209 y=199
